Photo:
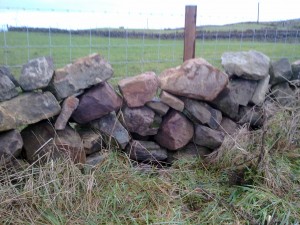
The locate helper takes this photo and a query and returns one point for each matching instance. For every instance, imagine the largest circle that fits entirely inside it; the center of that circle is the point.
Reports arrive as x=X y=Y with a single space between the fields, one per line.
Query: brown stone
x=97 y=102
x=195 y=78
x=11 y=144
x=140 y=120
x=204 y=136
x=92 y=140
x=68 y=107
x=172 y=101
x=42 y=142
x=175 y=131
x=158 y=106
x=139 y=89
x=228 y=126
x=82 y=74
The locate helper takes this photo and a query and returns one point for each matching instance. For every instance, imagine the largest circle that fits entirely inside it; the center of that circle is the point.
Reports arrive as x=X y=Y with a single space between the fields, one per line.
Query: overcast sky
x=78 y=14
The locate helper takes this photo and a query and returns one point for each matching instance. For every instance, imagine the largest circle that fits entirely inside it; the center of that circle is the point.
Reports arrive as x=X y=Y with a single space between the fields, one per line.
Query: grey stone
x=207 y=137
x=283 y=94
x=95 y=159
x=7 y=88
x=110 y=125
x=27 y=109
x=189 y=152
x=280 y=71
x=37 y=73
x=175 y=131
x=228 y=126
x=146 y=151
x=242 y=90
x=138 y=90
x=97 y=102
x=157 y=106
x=296 y=70
x=250 y=65
x=140 y=120
x=82 y=74
x=195 y=78
x=261 y=90
x=42 y=142
x=5 y=71
x=11 y=144
x=92 y=140
x=172 y=101
x=68 y=107
x=203 y=113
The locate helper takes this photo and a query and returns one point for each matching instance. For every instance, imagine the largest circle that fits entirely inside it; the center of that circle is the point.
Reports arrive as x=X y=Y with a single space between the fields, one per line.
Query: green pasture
x=127 y=56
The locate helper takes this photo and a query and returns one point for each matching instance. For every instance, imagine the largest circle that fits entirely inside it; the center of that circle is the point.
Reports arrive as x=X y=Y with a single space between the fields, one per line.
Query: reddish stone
x=68 y=107
x=139 y=89
x=175 y=131
x=97 y=102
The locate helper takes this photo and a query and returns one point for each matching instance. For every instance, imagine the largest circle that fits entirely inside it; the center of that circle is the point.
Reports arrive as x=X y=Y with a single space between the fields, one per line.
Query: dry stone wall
x=183 y=112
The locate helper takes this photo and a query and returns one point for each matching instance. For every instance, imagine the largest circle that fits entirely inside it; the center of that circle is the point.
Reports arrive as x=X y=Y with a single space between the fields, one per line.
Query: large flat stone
x=27 y=109
x=203 y=113
x=37 y=73
x=139 y=89
x=140 y=120
x=204 y=136
x=251 y=65
x=42 y=142
x=97 y=102
x=195 y=78
x=110 y=125
x=175 y=131
x=146 y=151
x=80 y=75
x=11 y=144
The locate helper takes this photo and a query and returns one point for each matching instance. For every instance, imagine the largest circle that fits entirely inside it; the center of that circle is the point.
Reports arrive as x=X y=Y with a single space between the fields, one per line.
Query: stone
x=97 y=102
x=82 y=74
x=26 y=109
x=228 y=126
x=250 y=65
x=36 y=74
x=11 y=144
x=175 y=131
x=139 y=89
x=42 y=142
x=242 y=90
x=158 y=106
x=7 y=88
x=92 y=140
x=110 y=125
x=195 y=78
x=260 y=92
x=296 y=70
x=68 y=107
x=227 y=104
x=280 y=71
x=189 y=152
x=283 y=94
x=203 y=113
x=252 y=116
x=207 y=137
x=95 y=159
x=140 y=120
x=146 y=151
x=5 y=71
x=172 y=101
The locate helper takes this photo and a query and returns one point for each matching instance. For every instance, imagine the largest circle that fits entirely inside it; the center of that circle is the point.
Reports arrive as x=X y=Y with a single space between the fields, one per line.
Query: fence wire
x=133 y=51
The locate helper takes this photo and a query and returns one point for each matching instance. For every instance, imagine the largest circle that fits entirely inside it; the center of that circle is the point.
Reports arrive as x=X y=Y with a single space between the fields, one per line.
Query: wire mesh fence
x=133 y=51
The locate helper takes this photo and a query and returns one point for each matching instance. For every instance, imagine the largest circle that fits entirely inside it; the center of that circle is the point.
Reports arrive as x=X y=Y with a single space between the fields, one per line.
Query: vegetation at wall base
x=229 y=187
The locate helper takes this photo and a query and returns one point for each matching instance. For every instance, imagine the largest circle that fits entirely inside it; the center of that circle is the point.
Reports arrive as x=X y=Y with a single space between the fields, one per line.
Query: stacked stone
x=183 y=112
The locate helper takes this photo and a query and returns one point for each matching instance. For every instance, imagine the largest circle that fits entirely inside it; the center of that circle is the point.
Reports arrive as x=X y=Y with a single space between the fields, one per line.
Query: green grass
x=127 y=56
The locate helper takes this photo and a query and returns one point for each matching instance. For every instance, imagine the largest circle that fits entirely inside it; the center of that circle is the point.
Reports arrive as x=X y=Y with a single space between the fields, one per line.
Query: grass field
x=127 y=56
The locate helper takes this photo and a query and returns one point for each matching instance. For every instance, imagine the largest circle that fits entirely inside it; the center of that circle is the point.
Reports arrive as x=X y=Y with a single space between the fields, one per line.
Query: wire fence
x=133 y=51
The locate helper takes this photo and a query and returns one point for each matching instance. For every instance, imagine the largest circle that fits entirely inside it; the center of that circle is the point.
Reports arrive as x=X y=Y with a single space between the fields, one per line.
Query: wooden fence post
x=190 y=32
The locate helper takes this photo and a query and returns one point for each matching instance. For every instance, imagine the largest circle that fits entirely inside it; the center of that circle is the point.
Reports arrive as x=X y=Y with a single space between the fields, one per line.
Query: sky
x=143 y=14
